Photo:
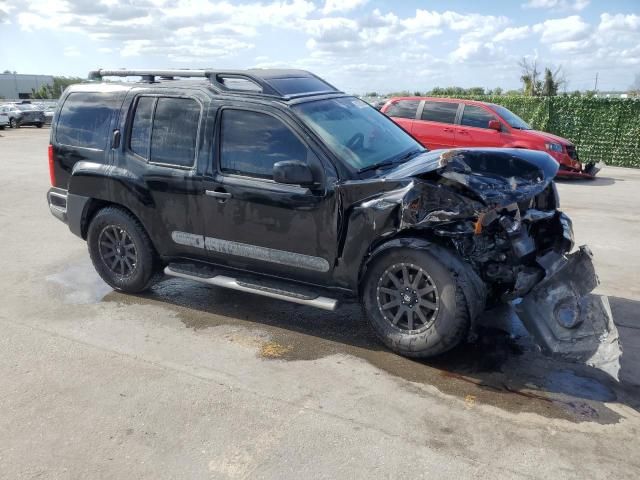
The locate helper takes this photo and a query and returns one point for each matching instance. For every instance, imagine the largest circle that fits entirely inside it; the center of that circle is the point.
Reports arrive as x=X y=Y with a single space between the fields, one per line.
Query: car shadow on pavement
x=500 y=366
x=596 y=182
x=626 y=315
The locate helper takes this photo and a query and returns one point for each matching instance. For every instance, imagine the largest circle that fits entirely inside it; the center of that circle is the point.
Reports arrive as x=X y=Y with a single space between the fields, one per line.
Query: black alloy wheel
x=117 y=250
x=408 y=297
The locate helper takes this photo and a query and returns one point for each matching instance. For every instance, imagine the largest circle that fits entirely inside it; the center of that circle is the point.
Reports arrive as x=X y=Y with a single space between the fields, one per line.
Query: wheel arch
x=94 y=205
x=473 y=287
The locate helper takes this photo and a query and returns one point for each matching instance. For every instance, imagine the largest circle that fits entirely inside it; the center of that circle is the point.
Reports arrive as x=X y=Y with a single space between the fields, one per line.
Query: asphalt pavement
x=195 y=382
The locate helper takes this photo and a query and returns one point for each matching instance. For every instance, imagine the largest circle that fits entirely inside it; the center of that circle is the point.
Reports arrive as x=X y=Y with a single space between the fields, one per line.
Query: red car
x=449 y=123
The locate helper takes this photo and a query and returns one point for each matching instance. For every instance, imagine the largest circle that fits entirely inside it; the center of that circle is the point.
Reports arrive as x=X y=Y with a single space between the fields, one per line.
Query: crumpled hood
x=497 y=176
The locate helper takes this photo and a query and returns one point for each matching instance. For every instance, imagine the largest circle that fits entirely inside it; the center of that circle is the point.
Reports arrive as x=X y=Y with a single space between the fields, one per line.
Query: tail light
x=52 y=173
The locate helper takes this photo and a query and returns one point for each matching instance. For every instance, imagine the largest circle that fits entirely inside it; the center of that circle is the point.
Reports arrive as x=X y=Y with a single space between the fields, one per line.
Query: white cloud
x=332 y=6
x=576 y=5
x=567 y=29
x=71 y=52
x=513 y=33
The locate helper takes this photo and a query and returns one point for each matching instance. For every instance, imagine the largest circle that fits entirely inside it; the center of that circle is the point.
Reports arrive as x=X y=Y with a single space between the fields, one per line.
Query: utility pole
x=595 y=87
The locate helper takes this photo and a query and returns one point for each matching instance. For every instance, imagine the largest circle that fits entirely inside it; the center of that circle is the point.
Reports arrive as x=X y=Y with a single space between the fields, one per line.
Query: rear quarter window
x=403 y=109
x=85 y=118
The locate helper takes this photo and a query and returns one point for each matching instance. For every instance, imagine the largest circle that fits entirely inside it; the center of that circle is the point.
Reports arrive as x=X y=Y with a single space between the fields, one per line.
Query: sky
x=357 y=45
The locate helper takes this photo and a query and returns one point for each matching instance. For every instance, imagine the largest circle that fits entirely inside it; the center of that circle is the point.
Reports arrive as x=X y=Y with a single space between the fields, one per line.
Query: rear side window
x=443 y=112
x=403 y=109
x=84 y=120
x=175 y=130
x=165 y=130
x=476 y=117
x=141 y=127
x=253 y=142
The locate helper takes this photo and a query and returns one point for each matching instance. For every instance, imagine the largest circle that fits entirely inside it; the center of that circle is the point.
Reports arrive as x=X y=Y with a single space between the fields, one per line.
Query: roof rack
x=228 y=81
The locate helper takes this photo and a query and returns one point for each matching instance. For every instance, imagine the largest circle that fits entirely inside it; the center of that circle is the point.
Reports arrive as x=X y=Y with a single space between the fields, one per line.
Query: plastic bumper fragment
x=566 y=319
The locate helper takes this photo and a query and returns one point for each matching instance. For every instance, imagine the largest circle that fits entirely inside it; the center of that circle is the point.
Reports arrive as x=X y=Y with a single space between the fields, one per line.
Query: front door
x=254 y=223
x=474 y=130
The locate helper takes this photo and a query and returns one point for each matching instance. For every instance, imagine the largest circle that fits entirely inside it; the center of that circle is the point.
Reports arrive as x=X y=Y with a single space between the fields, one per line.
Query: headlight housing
x=554 y=147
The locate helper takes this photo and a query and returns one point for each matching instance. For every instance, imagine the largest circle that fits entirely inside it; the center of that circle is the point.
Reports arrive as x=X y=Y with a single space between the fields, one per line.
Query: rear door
x=164 y=148
x=403 y=112
x=435 y=127
x=474 y=131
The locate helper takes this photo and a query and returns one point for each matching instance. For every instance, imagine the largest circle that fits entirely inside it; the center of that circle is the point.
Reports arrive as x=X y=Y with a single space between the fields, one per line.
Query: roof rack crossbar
x=215 y=77
x=99 y=74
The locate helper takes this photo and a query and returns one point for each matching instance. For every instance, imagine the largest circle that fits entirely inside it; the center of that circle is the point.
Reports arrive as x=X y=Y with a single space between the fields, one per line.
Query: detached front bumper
x=565 y=318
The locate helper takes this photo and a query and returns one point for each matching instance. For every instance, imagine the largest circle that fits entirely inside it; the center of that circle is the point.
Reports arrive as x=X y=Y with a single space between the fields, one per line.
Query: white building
x=15 y=86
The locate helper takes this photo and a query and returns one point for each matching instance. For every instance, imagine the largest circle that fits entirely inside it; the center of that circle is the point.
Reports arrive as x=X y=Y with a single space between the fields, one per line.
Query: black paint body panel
x=327 y=232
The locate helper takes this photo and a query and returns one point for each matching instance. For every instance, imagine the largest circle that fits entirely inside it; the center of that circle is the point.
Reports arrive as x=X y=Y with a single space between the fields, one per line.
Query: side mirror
x=292 y=172
x=495 y=125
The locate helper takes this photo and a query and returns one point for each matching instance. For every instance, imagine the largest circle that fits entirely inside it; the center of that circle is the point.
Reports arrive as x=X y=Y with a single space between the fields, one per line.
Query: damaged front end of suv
x=498 y=210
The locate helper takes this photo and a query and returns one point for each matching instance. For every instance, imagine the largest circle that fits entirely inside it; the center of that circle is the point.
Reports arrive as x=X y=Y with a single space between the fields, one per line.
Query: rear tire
x=39 y=125
x=13 y=123
x=121 y=251
x=423 y=312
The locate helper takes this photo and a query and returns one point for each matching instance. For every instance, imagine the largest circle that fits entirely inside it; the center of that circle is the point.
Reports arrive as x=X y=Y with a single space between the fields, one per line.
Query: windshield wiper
x=375 y=166
x=388 y=163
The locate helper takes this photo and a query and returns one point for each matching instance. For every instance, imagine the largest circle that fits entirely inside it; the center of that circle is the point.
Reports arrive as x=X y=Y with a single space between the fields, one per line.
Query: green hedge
x=602 y=129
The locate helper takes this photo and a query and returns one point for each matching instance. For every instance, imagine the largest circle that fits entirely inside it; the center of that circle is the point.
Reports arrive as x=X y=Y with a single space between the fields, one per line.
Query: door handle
x=448 y=130
x=462 y=131
x=216 y=194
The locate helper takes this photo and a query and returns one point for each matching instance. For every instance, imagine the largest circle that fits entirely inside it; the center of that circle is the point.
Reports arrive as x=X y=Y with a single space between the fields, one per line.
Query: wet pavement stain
x=500 y=369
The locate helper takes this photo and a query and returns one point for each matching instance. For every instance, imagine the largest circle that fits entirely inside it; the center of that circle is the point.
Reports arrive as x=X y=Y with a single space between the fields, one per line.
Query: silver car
x=31 y=114
x=14 y=116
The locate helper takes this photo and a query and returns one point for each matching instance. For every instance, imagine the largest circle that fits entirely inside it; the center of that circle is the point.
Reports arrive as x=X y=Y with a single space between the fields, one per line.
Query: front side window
x=443 y=112
x=476 y=117
x=356 y=132
x=511 y=118
x=165 y=130
x=403 y=109
x=252 y=142
x=84 y=120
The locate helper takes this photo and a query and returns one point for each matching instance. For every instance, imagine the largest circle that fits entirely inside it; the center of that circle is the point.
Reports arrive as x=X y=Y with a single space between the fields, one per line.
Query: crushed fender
x=497 y=211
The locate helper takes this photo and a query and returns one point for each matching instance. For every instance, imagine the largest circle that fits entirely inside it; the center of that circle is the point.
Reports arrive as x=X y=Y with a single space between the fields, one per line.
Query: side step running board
x=258 y=287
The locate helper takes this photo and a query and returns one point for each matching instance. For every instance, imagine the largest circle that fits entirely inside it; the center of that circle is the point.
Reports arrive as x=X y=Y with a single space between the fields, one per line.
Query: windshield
x=357 y=132
x=511 y=118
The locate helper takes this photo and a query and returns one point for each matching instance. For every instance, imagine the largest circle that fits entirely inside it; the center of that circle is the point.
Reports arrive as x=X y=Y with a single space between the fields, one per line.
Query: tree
x=530 y=77
x=533 y=86
x=553 y=81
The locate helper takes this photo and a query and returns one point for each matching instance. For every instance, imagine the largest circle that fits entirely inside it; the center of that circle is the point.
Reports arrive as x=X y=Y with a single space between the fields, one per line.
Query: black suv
x=276 y=183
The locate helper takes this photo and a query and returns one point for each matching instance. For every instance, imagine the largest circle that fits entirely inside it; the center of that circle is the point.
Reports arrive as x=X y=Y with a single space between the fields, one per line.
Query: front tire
x=13 y=123
x=414 y=303
x=39 y=125
x=121 y=251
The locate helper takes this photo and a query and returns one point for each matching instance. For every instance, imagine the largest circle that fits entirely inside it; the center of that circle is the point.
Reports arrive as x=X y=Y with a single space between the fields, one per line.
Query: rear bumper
x=57 y=199
x=68 y=208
